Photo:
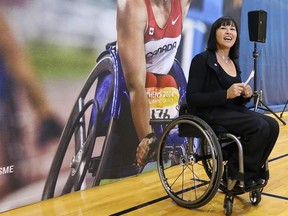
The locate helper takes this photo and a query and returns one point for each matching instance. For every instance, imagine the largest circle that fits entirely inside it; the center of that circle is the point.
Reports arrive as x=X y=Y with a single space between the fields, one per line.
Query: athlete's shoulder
x=131 y=8
x=133 y=5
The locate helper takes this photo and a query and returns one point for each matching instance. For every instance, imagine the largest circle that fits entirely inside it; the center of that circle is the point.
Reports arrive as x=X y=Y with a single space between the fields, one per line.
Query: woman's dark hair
x=212 y=41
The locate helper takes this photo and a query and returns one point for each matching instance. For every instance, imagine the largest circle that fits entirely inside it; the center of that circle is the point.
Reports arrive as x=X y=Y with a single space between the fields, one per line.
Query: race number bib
x=163 y=102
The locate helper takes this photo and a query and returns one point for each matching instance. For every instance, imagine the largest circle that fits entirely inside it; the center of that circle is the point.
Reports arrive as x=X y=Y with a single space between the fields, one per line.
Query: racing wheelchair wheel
x=189 y=161
x=72 y=160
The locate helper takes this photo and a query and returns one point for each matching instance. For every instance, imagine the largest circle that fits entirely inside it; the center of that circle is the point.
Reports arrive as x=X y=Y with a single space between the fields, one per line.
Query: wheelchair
x=98 y=141
x=192 y=163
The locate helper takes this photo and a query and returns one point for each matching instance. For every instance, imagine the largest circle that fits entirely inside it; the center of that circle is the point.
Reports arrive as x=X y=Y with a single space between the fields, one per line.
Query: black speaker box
x=257 y=24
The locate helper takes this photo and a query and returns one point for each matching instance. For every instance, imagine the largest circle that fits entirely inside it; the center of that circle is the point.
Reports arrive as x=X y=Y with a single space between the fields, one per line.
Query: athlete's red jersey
x=161 y=44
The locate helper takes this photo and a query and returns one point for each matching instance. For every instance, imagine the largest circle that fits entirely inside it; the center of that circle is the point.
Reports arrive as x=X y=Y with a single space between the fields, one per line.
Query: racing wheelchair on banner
x=99 y=141
x=96 y=143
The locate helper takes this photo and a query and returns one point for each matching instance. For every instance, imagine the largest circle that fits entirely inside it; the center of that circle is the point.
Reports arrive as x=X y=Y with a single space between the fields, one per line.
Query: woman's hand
x=235 y=90
x=248 y=92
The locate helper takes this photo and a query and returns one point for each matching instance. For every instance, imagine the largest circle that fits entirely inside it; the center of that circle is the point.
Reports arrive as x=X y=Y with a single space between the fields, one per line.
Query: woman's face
x=226 y=36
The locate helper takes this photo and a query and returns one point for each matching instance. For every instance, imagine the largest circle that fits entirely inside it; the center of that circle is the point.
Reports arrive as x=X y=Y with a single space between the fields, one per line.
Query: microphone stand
x=258 y=95
x=284 y=109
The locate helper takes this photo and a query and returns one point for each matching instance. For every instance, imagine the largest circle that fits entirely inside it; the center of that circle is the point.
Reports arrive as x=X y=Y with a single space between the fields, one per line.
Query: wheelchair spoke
x=79 y=166
x=68 y=185
x=179 y=175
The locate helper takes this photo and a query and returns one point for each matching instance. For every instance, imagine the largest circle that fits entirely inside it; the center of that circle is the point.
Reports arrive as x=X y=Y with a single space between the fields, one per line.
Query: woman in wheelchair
x=149 y=33
x=216 y=93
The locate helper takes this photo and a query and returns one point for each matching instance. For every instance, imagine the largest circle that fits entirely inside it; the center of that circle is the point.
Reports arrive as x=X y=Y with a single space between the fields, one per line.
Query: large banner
x=62 y=128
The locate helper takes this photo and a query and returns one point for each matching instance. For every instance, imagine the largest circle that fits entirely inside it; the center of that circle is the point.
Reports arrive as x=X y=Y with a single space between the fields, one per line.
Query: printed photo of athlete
x=148 y=35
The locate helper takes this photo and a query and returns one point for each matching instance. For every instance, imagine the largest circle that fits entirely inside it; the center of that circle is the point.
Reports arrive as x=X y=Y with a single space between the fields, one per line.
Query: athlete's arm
x=131 y=24
x=19 y=67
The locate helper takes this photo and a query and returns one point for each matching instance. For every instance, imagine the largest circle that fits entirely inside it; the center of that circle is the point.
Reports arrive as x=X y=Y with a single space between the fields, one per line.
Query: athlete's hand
x=142 y=152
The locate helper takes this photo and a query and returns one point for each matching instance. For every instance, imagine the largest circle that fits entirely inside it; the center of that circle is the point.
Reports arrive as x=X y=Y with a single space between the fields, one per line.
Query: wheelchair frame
x=103 y=96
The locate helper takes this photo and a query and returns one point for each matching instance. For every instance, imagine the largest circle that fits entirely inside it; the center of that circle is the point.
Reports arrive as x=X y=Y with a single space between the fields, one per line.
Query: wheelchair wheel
x=255 y=197
x=189 y=162
x=228 y=204
x=88 y=124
